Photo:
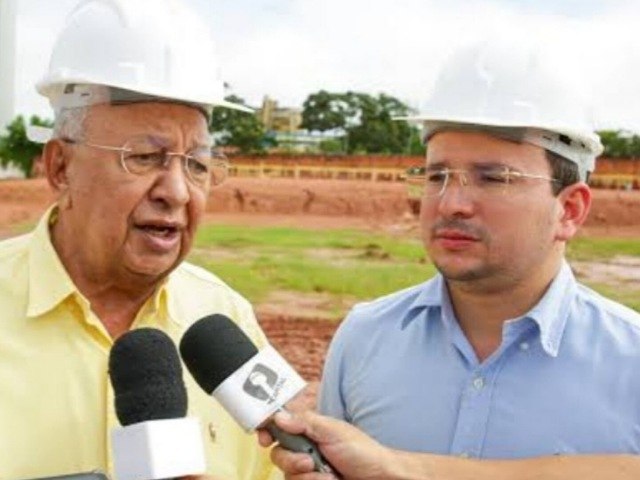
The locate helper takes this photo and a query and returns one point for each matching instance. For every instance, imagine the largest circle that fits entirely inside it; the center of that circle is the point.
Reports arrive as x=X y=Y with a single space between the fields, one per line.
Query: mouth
x=455 y=235
x=161 y=237
x=454 y=240
x=162 y=231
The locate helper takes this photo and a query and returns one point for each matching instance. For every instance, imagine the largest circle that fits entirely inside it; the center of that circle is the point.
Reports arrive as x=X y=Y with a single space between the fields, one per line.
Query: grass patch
x=599 y=248
x=360 y=278
x=281 y=238
x=629 y=297
x=350 y=264
x=20 y=229
x=258 y=260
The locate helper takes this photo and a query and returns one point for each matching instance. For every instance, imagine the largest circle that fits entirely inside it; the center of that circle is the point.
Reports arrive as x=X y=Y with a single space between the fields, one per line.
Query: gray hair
x=69 y=123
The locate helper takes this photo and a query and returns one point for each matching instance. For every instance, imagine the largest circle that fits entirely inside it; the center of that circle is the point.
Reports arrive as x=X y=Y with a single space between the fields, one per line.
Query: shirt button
x=212 y=432
x=478 y=383
x=524 y=346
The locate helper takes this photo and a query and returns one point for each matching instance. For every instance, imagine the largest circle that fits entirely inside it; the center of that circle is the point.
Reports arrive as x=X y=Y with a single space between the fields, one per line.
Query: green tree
x=332 y=146
x=372 y=128
x=239 y=129
x=366 y=120
x=16 y=148
x=416 y=143
x=324 y=111
x=620 y=144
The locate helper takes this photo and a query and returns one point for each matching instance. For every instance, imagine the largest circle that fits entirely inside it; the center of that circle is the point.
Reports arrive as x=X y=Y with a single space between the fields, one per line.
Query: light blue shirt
x=566 y=378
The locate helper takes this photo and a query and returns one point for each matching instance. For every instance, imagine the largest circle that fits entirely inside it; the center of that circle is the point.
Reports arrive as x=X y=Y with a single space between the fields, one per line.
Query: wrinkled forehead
x=174 y=123
x=154 y=142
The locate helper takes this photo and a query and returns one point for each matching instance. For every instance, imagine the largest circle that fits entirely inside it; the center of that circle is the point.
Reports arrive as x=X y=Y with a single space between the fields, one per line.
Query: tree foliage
x=238 y=129
x=16 y=148
x=324 y=111
x=620 y=144
x=366 y=121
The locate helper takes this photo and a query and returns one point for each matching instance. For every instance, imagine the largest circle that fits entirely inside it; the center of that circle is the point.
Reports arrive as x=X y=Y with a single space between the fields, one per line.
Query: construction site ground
x=326 y=204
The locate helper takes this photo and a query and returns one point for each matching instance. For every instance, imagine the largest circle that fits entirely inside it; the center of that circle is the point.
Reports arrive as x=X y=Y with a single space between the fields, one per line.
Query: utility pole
x=8 y=15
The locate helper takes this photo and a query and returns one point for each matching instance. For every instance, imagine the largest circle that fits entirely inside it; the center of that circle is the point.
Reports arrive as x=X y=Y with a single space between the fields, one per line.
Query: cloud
x=289 y=48
x=376 y=46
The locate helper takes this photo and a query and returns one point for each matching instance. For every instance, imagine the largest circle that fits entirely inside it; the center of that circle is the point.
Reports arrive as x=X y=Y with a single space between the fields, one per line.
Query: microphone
x=250 y=385
x=156 y=441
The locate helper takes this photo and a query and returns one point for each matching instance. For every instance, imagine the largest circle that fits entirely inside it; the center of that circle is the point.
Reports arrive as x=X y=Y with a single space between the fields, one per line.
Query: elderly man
x=503 y=354
x=132 y=85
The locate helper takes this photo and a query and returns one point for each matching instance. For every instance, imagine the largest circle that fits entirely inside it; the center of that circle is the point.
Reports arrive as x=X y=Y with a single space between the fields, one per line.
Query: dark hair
x=564 y=171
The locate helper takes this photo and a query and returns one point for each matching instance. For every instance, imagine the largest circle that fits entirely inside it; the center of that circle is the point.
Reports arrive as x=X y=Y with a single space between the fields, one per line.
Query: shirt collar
x=50 y=284
x=552 y=311
x=429 y=295
x=162 y=300
x=549 y=314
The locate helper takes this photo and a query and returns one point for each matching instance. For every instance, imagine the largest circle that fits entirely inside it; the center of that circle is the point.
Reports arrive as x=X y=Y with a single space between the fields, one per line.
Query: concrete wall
x=355 y=161
x=8 y=12
x=10 y=172
x=606 y=166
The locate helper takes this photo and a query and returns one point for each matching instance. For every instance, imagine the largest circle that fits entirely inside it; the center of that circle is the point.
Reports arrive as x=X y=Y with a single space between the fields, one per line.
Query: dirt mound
x=312 y=204
x=310 y=196
x=304 y=343
x=615 y=208
x=375 y=202
x=22 y=201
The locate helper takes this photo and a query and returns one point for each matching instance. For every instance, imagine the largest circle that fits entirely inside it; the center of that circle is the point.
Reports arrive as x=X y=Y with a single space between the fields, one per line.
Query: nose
x=171 y=187
x=457 y=199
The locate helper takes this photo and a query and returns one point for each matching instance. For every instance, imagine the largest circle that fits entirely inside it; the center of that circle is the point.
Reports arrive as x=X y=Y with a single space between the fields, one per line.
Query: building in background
x=279 y=119
x=283 y=124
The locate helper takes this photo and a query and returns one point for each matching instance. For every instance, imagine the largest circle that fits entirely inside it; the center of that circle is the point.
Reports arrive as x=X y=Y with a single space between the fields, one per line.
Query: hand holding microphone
x=354 y=454
x=249 y=384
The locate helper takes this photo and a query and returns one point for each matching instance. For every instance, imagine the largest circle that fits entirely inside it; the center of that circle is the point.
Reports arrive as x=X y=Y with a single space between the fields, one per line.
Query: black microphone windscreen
x=146 y=375
x=213 y=348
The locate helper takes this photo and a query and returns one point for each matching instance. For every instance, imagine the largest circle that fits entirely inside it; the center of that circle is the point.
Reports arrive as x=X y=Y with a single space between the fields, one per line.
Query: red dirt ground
x=312 y=204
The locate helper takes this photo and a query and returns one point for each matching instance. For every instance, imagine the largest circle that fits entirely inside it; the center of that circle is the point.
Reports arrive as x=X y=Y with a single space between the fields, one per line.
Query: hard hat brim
x=53 y=87
x=590 y=139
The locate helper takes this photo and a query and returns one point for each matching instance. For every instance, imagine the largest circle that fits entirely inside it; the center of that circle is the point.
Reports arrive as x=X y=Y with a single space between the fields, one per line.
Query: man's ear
x=574 y=203
x=56 y=165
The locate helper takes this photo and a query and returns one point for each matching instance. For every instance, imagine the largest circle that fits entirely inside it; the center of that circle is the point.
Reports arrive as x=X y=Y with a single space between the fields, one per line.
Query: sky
x=288 y=49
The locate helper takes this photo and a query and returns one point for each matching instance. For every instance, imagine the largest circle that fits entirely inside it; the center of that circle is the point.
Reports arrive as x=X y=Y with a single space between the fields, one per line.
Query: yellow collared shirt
x=56 y=400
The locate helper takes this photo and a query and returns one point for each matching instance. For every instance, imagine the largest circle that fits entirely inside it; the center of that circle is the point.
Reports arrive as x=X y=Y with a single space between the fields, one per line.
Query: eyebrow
x=479 y=165
x=165 y=142
x=435 y=166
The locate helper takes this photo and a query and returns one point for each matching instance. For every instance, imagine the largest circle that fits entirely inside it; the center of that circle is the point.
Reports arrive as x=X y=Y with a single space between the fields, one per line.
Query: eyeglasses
x=489 y=181
x=146 y=154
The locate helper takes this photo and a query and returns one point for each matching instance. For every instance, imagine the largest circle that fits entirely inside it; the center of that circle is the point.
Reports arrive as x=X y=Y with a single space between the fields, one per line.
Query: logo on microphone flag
x=263 y=383
x=266 y=382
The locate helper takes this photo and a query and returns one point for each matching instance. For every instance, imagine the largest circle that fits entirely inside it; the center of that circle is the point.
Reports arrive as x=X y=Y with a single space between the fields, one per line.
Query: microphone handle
x=301 y=444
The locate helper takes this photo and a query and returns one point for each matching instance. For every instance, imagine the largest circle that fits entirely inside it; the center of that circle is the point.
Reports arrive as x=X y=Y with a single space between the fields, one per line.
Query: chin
x=154 y=267
x=460 y=271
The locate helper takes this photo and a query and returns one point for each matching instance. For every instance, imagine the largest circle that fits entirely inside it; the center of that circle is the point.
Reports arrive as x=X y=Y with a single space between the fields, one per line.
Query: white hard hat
x=510 y=85
x=157 y=49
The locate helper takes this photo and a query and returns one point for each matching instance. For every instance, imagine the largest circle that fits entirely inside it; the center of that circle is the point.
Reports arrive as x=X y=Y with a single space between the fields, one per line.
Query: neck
x=115 y=301
x=481 y=309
